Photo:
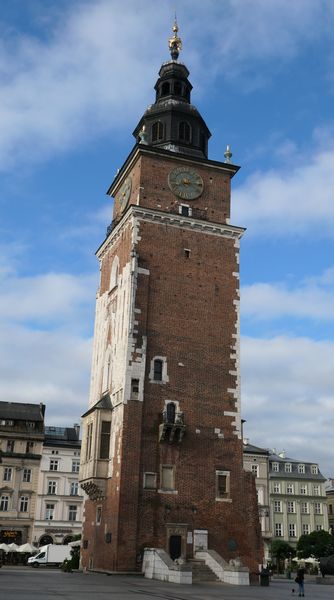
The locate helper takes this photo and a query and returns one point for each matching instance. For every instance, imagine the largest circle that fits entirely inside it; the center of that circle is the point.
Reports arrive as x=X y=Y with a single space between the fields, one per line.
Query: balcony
x=172 y=428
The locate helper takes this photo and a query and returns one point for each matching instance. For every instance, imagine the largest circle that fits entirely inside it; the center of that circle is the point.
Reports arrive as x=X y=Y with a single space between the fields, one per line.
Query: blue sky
x=75 y=78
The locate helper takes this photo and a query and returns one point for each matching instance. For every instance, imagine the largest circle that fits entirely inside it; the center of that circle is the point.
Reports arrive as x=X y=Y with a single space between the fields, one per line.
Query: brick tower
x=162 y=445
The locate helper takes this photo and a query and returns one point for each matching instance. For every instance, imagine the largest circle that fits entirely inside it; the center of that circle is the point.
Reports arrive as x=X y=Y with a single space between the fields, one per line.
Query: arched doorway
x=45 y=539
x=175 y=545
x=67 y=539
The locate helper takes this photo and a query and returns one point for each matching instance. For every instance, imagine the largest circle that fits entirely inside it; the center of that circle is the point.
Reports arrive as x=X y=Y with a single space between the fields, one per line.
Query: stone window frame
x=279 y=530
x=52 y=487
x=148 y=474
x=75 y=465
x=291 y=506
x=306 y=528
x=165 y=490
x=290 y=488
x=314 y=469
x=276 y=487
x=226 y=497
x=74 y=488
x=288 y=467
x=277 y=506
x=317 y=508
x=164 y=375
x=304 y=508
x=4 y=502
x=54 y=464
x=27 y=475
x=50 y=508
x=292 y=530
x=303 y=489
x=275 y=467
x=7 y=473
x=72 y=512
x=316 y=490
x=301 y=468
x=24 y=503
x=255 y=470
x=190 y=210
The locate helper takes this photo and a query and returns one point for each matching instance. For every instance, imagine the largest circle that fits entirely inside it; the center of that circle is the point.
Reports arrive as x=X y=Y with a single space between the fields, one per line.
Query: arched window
x=184 y=131
x=165 y=89
x=45 y=539
x=157 y=131
x=178 y=88
x=67 y=539
x=170 y=412
x=157 y=371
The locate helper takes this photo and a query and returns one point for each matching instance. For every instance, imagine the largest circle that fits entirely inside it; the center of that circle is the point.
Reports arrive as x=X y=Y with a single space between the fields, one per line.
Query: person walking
x=300 y=580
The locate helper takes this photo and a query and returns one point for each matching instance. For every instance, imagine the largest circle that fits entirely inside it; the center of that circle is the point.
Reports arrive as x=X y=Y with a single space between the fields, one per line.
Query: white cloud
x=45 y=366
x=49 y=299
x=288 y=397
x=46 y=326
x=312 y=299
x=289 y=201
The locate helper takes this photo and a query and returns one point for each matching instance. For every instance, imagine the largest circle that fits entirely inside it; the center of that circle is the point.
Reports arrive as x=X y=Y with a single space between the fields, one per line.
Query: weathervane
x=175 y=42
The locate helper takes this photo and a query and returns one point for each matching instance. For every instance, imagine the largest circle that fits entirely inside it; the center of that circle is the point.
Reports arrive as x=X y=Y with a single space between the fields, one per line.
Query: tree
x=317 y=544
x=281 y=550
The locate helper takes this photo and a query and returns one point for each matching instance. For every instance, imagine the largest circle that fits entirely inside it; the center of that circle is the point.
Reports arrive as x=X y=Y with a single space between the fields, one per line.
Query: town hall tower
x=162 y=442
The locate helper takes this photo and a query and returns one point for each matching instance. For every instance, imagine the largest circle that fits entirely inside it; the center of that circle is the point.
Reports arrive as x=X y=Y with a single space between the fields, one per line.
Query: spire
x=175 y=42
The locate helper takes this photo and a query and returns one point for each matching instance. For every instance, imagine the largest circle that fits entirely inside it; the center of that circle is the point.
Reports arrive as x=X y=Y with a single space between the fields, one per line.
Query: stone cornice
x=171 y=219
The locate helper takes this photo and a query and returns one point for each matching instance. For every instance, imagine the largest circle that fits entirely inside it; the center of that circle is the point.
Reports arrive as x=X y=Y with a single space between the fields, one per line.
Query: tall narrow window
x=74 y=488
x=29 y=447
x=54 y=464
x=75 y=466
x=167 y=477
x=222 y=484
x=157 y=131
x=157 y=373
x=170 y=412
x=134 y=389
x=10 y=445
x=7 y=474
x=89 y=438
x=26 y=475
x=105 y=439
x=178 y=88
x=23 y=507
x=165 y=89
x=4 y=503
x=52 y=487
x=72 y=512
x=184 y=131
x=49 y=512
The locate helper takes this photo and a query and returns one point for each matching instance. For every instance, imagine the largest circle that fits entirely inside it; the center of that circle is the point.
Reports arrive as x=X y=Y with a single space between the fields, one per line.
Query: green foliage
x=282 y=550
x=317 y=544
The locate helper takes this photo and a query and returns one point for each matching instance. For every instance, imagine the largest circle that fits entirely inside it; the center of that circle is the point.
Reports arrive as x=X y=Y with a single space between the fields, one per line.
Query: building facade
x=297 y=497
x=59 y=503
x=162 y=455
x=21 y=442
x=329 y=487
x=256 y=460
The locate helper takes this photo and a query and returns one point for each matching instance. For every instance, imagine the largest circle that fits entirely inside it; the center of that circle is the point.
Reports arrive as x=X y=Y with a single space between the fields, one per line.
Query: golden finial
x=175 y=42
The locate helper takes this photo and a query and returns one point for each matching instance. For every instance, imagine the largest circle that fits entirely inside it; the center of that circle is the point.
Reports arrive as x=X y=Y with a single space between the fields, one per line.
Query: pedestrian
x=300 y=580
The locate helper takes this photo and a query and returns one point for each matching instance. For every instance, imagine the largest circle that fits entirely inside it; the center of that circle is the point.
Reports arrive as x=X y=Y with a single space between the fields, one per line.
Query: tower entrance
x=175 y=545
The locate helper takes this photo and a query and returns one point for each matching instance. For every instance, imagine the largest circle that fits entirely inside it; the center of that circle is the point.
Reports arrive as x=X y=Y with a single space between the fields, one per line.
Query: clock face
x=185 y=183
x=124 y=193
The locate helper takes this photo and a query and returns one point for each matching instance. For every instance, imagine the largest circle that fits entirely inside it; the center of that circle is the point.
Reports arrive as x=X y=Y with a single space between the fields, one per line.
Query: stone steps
x=201 y=572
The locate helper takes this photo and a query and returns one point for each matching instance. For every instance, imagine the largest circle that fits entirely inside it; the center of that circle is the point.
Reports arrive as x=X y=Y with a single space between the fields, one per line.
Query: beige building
x=21 y=442
x=58 y=515
x=329 y=487
x=297 y=498
x=256 y=460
